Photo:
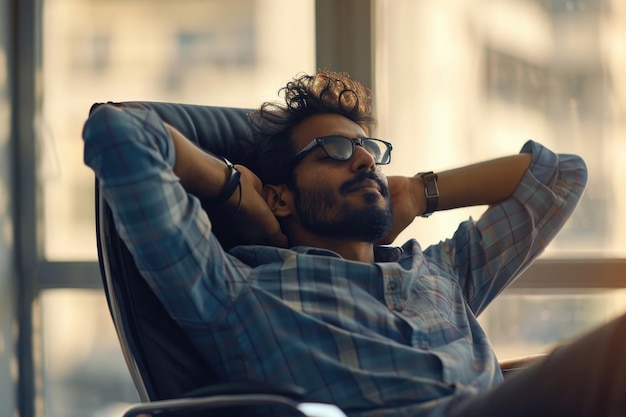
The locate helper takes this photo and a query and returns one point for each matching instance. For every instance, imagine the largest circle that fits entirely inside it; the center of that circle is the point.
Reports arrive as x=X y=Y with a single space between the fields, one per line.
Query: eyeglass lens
x=342 y=148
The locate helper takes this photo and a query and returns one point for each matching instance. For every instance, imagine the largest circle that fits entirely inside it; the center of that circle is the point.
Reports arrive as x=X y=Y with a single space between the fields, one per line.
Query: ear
x=279 y=199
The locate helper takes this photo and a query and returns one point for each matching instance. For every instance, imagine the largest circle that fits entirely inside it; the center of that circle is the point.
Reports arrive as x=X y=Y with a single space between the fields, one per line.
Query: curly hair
x=306 y=95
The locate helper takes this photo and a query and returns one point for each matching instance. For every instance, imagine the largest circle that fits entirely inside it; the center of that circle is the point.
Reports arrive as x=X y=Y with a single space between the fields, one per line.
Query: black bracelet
x=231 y=184
x=239 y=203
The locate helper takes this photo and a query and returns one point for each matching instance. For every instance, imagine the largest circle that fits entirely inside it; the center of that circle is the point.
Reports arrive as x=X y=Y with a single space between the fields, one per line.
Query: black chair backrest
x=161 y=359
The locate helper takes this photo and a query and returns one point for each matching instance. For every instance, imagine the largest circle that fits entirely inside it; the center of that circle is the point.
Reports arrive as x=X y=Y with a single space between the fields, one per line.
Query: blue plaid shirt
x=394 y=337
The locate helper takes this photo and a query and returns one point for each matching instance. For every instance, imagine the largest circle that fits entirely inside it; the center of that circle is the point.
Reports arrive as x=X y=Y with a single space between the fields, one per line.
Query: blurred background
x=454 y=82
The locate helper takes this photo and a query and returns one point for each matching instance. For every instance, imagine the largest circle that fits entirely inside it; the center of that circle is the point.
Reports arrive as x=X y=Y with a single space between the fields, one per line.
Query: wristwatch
x=431 y=190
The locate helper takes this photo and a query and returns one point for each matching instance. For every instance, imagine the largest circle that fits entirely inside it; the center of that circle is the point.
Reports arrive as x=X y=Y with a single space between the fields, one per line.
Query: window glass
x=190 y=51
x=527 y=322
x=84 y=371
x=469 y=80
x=213 y=52
x=465 y=81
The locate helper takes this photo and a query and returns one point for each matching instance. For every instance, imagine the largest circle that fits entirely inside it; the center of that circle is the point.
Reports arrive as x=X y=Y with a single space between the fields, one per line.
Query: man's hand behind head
x=253 y=223
x=405 y=197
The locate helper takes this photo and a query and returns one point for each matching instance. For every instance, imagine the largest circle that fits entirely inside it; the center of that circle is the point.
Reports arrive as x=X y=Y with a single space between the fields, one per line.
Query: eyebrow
x=359 y=136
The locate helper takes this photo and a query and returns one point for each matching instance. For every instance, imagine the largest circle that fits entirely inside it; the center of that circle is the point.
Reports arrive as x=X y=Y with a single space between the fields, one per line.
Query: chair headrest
x=223 y=131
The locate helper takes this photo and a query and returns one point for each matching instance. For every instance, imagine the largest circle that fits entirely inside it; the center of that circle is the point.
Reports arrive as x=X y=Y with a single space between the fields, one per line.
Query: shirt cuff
x=544 y=164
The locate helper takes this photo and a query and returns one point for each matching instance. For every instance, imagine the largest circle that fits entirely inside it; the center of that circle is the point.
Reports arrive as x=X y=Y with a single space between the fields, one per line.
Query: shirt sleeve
x=488 y=254
x=165 y=229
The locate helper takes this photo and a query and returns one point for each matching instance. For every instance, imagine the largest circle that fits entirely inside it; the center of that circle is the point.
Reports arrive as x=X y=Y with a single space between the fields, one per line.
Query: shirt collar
x=387 y=253
x=381 y=253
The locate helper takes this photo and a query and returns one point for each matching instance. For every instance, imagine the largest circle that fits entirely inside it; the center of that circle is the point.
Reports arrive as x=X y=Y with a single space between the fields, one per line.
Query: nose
x=362 y=160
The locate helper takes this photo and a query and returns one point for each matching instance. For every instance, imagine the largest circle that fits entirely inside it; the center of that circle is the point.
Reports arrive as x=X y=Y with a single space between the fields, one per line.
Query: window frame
x=343 y=42
x=25 y=58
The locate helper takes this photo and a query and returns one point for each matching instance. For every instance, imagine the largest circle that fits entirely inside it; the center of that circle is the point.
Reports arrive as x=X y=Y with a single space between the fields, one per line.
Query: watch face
x=432 y=192
x=430 y=183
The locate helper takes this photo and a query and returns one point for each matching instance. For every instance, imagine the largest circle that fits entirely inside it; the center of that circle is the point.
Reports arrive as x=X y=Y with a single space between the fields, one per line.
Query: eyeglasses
x=341 y=148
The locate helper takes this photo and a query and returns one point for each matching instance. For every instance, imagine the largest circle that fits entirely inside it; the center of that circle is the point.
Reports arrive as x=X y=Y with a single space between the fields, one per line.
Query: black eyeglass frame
x=310 y=147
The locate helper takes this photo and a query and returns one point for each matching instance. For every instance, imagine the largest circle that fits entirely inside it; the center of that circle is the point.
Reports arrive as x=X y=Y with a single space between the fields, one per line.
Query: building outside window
x=192 y=51
x=464 y=81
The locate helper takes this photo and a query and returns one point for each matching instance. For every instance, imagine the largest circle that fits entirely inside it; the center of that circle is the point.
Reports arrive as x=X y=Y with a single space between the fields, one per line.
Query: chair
x=168 y=372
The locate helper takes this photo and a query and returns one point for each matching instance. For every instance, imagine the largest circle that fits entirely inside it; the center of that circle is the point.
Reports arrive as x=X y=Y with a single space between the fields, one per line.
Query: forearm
x=206 y=176
x=165 y=229
x=200 y=173
x=132 y=156
x=484 y=183
x=489 y=252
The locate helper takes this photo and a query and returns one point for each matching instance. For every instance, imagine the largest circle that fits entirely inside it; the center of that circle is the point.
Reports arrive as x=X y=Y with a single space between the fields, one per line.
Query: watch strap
x=431 y=190
x=231 y=184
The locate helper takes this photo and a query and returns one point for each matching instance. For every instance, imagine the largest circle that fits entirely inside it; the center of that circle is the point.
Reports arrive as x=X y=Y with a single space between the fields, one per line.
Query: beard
x=367 y=223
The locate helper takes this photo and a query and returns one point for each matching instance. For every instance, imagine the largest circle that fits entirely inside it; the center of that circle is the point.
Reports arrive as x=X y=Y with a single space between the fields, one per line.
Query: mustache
x=362 y=176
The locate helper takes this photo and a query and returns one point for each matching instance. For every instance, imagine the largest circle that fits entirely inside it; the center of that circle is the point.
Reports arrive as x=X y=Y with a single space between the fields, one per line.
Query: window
x=84 y=371
x=193 y=51
x=476 y=76
x=90 y=53
x=480 y=78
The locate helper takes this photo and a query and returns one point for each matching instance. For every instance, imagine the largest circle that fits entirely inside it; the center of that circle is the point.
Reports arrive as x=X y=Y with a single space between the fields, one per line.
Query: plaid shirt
x=395 y=337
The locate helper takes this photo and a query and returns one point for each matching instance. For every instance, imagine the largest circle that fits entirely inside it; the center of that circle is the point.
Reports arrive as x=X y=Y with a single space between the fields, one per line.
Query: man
x=312 y=300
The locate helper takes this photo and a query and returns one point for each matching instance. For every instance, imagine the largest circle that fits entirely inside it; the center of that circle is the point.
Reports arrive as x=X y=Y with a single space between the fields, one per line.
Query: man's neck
x=347 y=249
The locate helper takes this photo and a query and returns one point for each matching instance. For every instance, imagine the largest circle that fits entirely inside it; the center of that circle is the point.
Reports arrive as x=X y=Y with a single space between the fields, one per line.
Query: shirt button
x=392 y=286
x=420 y=340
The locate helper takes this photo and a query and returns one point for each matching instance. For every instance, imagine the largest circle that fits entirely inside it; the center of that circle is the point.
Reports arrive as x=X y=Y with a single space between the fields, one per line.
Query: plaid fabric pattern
x=397 y=337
